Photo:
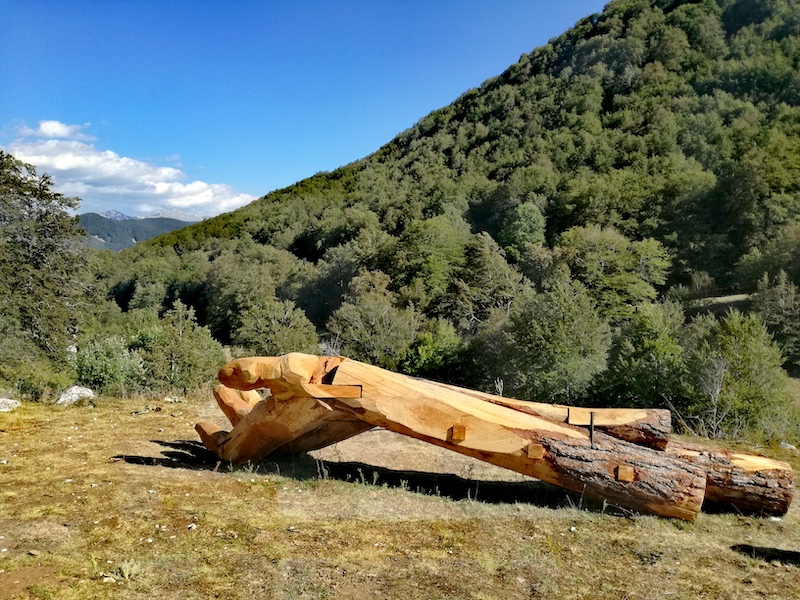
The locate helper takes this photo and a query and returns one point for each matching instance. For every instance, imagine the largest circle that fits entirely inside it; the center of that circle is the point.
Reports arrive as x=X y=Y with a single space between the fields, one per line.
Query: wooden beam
x=647 y=427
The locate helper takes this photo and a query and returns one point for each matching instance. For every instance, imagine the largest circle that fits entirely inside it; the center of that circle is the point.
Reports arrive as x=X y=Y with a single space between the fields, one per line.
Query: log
x=745 y=483
x=296 y=424
x=647 y=427
x=598 y=466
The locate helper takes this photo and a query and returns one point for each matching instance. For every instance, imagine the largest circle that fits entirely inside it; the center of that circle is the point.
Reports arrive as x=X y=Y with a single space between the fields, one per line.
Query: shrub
x=108 y=367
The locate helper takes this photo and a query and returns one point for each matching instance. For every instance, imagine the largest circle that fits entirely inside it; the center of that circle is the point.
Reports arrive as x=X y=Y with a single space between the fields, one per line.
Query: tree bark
x=746 y=483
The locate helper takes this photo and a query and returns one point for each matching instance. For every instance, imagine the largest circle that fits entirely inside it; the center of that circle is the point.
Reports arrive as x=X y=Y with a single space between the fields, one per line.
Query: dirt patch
x=385 y=449
x=15 y=582
x=43 y=531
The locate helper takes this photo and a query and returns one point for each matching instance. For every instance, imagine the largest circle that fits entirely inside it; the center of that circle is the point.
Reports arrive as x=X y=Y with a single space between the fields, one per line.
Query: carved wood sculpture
x=603 y=454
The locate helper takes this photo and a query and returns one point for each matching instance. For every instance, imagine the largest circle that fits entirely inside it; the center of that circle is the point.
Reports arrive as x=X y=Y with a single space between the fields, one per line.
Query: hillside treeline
x=543 y=236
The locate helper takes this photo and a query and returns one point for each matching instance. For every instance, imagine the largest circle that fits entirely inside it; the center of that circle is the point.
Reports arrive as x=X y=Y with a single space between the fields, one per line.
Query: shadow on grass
x=182 y=454
x=188 y=454
x=451 y=486
x=787 y=557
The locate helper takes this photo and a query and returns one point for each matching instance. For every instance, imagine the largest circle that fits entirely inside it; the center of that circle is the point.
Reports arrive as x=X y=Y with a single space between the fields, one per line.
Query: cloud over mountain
x=106 y=180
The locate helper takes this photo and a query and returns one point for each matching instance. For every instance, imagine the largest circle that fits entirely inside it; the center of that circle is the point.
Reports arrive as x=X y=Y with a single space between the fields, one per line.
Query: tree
x=645 y=365
x=108 y=367
x=778 y=303
x=526 y=226
x=434 y=351
x=232 y=288
x=485 y=282
x=43 y=283
x=617 y=272
x=432 y=250
x=778 y=254
x=276 y=327
x=177 y=353
x=369 y=327
x=551 y=347
x=734 y=370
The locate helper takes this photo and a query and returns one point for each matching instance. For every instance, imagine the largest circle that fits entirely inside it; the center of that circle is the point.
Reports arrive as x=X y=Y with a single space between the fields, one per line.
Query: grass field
x=119 y=501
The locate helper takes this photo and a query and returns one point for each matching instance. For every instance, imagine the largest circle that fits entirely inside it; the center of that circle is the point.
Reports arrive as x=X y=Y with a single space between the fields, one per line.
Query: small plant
x=126 y=571
x=129 y=570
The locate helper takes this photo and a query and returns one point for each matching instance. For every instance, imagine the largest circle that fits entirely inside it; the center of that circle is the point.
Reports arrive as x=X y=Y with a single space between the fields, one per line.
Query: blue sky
x=152 y=105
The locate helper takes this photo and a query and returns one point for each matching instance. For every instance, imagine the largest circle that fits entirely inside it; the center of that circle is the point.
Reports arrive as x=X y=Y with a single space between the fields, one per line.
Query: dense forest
x=546 y=236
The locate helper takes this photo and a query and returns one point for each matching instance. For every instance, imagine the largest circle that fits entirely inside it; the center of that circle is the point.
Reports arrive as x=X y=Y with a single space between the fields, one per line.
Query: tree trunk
x=260 y=427
x=304 y=395
x=744 y=482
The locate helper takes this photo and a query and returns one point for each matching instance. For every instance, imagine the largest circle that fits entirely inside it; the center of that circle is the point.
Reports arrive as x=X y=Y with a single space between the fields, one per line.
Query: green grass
x=94 y=494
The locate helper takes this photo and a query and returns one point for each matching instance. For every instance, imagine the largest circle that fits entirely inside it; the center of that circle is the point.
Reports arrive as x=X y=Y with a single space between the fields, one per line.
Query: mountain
x=652 y=151
x=119 y=231
x=671 y=120
x=177 y=215
x=115 y=215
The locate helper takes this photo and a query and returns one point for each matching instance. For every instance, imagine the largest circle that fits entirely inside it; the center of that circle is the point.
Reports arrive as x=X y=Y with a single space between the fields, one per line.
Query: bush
x=735 y=376
x=108 y=367
x=276 y=327
x=177 y=353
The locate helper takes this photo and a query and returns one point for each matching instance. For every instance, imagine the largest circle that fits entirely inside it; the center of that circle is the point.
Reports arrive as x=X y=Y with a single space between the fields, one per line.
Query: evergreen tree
x=43 y=280
x=646 y=364
x=734 y=369
x=369 y=327
x=778 y=303
x=551 y=347
x=177 y=353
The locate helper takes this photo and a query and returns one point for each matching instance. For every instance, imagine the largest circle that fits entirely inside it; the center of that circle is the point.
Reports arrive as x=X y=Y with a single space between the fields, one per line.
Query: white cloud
x=104 y=180
x=57 y=129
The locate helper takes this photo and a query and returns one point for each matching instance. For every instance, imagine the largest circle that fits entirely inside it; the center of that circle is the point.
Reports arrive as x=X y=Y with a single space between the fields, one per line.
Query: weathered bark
x=647 y=427
x=743 y=482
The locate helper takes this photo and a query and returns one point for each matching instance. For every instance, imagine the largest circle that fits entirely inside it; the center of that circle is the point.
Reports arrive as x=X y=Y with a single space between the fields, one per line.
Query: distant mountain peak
x=115 y=215
x=176 y=215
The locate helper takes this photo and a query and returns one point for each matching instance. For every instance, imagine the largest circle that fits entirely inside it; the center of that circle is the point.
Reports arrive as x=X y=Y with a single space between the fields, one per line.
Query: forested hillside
x=540 y=236
x=110 y=234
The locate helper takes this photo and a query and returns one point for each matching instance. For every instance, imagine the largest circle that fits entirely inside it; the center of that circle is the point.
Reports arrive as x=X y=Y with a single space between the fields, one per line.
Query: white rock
x=789 y=447
x=7 y=404
x=73 y=394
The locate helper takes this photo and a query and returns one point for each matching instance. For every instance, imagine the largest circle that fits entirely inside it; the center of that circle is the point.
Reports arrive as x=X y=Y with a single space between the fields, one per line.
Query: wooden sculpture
x=621 y=456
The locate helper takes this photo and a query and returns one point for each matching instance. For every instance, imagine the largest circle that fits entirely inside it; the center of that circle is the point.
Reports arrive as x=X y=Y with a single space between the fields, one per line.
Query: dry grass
x=94 y=494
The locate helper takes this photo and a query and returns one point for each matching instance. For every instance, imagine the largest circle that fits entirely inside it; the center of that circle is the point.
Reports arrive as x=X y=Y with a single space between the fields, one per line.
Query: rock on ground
x=789 y=447
x=73 y=394
x=7 y=404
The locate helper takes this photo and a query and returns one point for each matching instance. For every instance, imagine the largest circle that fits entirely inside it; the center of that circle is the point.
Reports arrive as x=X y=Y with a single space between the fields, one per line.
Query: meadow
x=119 y=500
